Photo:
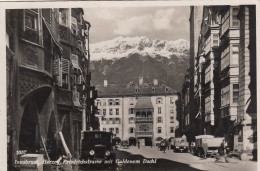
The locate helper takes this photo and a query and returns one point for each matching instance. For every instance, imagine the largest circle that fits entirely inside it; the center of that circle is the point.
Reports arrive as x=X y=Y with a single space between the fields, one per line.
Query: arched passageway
x=29 y=138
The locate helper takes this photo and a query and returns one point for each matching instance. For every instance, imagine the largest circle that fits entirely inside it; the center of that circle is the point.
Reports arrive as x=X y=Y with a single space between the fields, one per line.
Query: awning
x=52 y=34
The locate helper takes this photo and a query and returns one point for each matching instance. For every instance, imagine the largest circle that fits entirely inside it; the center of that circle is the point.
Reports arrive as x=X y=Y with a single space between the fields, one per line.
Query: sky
x=165 y=23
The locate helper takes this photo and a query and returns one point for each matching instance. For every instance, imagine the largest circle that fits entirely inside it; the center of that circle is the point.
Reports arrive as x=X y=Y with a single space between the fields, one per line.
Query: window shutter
x=65 y=65
x=56 y=67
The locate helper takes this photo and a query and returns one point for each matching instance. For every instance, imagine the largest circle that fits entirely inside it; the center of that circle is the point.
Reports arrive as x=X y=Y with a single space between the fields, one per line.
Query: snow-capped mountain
x=124 y=46
x=124 y=59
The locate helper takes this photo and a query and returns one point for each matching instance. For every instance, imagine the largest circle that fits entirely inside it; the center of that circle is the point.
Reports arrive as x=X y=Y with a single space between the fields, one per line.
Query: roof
x=133 y=90
x=144 y=103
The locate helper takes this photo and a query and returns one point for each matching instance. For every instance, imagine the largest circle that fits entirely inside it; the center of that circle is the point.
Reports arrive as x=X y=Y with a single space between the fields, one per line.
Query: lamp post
x=84 y=113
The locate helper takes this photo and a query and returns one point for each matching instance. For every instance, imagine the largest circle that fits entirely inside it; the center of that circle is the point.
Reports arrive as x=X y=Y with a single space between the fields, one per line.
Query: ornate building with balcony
x=47 y=56
x=137 y=112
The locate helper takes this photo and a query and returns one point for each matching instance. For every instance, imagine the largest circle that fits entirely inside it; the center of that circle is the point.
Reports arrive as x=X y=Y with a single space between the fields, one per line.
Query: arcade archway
x=29 y=138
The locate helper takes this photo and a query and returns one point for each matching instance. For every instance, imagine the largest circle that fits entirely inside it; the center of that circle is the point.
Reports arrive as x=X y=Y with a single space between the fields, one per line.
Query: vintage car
x=163 y=146
x=179 y=145
x=124 y=144
x=97 y=145
x=212 y=142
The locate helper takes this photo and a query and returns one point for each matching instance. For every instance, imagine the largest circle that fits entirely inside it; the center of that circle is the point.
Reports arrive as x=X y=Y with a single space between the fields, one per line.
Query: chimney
x=141 y=80
x=155 y=81
x=105 y=83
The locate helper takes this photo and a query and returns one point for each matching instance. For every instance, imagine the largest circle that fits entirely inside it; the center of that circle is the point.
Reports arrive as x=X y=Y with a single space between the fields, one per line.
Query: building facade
x=223 y=80
x=138 y=112
x=47 y=68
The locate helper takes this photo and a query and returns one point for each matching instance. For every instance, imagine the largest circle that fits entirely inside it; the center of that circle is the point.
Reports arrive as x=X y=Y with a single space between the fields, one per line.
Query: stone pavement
x=194 y=161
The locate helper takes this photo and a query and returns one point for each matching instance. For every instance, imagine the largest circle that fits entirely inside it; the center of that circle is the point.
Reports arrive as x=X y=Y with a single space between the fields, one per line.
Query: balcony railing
x=144 y=133
x=143 y=119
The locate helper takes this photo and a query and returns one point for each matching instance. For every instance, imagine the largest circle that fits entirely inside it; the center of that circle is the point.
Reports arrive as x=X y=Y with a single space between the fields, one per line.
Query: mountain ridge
x=123 y=46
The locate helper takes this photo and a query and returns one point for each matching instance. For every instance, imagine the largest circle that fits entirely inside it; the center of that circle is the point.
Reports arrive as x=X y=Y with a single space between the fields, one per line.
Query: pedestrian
x=151 y=144
x=205 y=149
x=225 y=150
x=138 y=143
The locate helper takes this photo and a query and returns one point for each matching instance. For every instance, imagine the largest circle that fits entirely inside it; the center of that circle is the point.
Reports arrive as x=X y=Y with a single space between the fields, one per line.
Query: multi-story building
x=183 y=109
x=245 y=139
x=47 y=58
x=195 y=26
x=224 y=75
x=137 y=112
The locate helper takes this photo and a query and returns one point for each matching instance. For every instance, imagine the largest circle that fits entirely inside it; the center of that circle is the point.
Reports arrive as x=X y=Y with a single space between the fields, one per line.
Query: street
x=177 y=161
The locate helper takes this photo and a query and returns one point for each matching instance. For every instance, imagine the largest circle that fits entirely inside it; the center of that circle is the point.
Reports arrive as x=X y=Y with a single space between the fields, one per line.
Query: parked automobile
x=212 y=142
x=180 y=145
x=124 y=144
x=97 y=145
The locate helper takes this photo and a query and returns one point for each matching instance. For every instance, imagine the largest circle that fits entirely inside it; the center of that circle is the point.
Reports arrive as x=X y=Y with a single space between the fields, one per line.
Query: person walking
x=138 y=143
x=205 y=149
x=225 y=150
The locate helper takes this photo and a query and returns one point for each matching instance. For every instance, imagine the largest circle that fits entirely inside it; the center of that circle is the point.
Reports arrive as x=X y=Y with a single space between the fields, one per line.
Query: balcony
x=64 y=97
x=144 y=133
x=143 y=119
x=64 y=33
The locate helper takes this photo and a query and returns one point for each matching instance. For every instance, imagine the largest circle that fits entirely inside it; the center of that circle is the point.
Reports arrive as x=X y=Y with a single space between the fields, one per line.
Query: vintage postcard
x=129 y=85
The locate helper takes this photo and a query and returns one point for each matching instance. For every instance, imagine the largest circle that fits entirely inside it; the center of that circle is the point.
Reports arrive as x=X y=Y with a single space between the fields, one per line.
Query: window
x=235 y=54
x=171 y=100
x=159 y=130
x=104 y=129
x=74 y=25
x=110 y=102
x=111 y=130
x=131 y=130
x=132 y=101
x=117 y=102
x=104 y=102
x=117 y=130
x=104 y=120
x=117 y=120
x=110 y=111
x=225 y=96
x=104 y=111
x=171 y=110
x=30 y=21
x=215 y=39
x=131 y=120
x=207 y=105
x=225 y=22
x=117 y=111
x=159 y=110
x=235 y=93
x=207 y=74
x=235 y=19
x=110 y=120
x=158 y=100
x=225 y=58
x=159 y=119
x=63 y=17
x=98 y=103
x=171 y=129
x=131 y=111
x=171 y=119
